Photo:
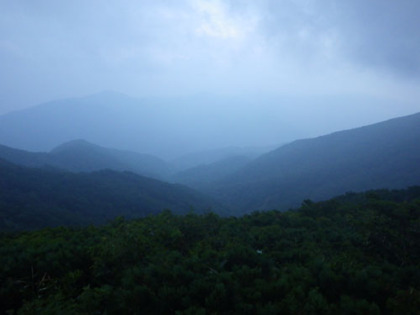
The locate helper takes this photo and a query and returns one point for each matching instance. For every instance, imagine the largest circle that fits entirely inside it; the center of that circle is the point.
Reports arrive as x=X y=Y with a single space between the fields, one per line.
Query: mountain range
x=382 y=155
x=82 y=156
x=165 y=128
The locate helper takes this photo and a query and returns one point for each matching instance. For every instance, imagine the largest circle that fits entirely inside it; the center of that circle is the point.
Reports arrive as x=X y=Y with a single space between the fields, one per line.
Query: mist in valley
x=199 y=92
x=171 y=79
x=209 y=157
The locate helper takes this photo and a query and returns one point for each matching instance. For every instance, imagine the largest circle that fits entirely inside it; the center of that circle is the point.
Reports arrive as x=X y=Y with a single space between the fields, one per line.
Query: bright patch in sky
x=215 y=21
x=162 y=48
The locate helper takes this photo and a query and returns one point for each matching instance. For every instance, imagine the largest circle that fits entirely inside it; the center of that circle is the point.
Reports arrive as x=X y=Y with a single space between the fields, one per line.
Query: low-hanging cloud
x=167 y=48
x=384 y=34
x=381 y=35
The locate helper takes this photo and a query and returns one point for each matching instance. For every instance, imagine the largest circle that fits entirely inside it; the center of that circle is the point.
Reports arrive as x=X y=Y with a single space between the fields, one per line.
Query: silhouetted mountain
x=33 y=198
x=96 y=118
x=167 y=128
x=109 y=119
x=383 y=155
x=82 y=156
x=24 y=158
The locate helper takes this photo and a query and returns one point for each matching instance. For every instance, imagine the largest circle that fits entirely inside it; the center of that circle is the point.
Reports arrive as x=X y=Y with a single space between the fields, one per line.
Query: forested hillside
x=206 y=157
x=35 y=198
x=383 y=155
x=82 y=156
x=356 y=254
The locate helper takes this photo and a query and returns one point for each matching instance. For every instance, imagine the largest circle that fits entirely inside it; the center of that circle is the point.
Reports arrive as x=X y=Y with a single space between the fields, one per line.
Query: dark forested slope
x=34 y=198
x=82 y=156
x=357 y=254
x=383 y=155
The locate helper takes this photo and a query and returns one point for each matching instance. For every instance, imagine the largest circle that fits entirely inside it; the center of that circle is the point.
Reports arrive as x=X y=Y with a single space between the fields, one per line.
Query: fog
x=241 y=73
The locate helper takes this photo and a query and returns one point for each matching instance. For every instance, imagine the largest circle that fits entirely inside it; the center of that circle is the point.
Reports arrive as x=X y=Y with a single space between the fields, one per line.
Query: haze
x=271 y=70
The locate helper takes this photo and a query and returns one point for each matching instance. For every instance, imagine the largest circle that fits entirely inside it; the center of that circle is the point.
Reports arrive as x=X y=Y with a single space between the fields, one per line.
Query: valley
x=90 y=228
x=206 y=157
x=382 y=155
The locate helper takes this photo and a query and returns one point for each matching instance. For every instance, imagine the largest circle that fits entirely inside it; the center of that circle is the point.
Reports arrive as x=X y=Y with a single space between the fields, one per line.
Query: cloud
x=216 y=21
x=383 y=34
x=166 y=48
x=376 y=35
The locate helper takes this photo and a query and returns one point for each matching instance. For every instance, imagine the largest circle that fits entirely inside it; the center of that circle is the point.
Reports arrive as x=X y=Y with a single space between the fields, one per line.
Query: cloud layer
x=51 y=49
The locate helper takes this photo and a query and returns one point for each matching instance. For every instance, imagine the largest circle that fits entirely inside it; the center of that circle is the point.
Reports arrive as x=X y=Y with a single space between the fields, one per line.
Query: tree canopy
x=356 y=254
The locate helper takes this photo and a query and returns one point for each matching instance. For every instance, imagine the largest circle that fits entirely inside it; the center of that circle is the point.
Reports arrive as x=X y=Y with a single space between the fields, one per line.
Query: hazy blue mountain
x=104 y=118
x=167 y=128
x=25 y=158
x=202 y=177
x=383 y=155
x=203 y=158
x=82 y=156
x=33 y=197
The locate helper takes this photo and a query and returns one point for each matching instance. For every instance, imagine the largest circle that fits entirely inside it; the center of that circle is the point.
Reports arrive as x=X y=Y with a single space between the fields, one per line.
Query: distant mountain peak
x=73 y=144
x=381 y=155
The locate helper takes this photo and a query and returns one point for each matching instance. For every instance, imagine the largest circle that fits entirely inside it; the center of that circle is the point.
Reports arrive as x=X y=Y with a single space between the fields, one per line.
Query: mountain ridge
x=165 y=127
x=32 y=198
x=382 y=155
x=82 y=156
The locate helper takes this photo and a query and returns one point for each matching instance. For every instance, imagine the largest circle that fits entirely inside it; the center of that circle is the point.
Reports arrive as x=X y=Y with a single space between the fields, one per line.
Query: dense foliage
x=358 y=254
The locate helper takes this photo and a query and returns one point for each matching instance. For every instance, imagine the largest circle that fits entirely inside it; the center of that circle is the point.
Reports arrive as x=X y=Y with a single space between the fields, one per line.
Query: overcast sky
x=346 y=49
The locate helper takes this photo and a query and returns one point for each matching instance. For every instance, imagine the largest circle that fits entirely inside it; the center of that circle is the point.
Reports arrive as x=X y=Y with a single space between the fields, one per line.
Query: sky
x=349 y=61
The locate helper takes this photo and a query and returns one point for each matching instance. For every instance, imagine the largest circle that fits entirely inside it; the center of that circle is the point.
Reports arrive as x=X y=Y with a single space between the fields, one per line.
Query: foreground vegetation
x=356 y=254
